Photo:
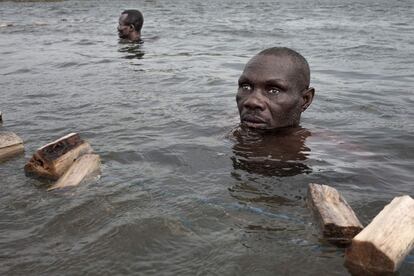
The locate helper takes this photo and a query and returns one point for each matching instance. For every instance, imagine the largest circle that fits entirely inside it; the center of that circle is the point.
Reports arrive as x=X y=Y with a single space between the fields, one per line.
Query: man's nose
x=255 y=101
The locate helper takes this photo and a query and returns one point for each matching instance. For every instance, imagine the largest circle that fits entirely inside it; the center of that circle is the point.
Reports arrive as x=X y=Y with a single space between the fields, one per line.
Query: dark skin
x=272 y=93
x=127 y=31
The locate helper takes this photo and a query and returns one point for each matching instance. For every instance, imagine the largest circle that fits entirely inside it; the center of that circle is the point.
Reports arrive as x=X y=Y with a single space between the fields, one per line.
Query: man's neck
x=135 y=36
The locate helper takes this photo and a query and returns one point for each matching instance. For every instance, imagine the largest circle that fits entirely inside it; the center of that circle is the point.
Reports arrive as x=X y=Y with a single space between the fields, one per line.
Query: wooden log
x=83 y=167
x=1 y=117
x=10 y=145
x=54 y=159
x=387 y=240
x=337 y=219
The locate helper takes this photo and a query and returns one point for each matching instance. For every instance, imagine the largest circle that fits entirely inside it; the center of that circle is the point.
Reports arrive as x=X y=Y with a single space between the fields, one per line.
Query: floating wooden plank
x=54 y=159
x=387 y=240
x=337 y=219
x=83 y=167
x=10 y=145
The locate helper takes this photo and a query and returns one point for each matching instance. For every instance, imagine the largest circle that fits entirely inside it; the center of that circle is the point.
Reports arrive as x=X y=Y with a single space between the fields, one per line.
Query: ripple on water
x=19 y=71
x=175 y=196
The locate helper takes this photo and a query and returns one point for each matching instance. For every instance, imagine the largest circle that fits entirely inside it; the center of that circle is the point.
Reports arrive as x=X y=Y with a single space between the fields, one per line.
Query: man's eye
x=274 y=91
x=246 y=87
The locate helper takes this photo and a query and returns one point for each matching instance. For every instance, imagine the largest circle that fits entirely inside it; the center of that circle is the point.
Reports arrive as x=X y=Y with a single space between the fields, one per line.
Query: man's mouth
x=253 y=121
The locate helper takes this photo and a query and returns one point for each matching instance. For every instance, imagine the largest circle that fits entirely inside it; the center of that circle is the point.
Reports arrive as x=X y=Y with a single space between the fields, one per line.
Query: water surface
x=176 y=196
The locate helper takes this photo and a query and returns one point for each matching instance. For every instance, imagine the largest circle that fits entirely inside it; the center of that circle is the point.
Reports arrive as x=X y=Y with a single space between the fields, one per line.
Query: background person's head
x=274 y=89
x=130 y=25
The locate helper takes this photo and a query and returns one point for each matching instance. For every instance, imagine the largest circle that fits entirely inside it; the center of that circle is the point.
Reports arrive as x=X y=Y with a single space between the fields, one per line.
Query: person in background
x=130 y=25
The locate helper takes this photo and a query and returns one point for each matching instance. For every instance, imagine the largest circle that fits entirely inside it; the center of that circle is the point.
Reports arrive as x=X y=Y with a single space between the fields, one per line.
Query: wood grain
x=10 y=145
x=387 y=240
x=84 y=166
x=54 y=159
x=338 y=221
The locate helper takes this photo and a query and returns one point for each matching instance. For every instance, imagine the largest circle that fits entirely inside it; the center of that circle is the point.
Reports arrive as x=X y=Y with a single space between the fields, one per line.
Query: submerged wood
x=83 y=167
x=387 y=240
x=10 y=145
x=337 y=219
x=53 y=160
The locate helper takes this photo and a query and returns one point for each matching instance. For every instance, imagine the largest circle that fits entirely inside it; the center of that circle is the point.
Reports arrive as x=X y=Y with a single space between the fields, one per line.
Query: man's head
x=130 y=25
x=274 y=89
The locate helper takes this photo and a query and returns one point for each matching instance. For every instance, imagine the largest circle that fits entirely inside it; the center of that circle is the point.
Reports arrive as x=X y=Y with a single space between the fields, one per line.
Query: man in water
x=274 y=90
x=130 y=25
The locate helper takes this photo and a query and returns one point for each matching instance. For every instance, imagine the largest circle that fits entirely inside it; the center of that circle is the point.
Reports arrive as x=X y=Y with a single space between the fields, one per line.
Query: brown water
x=176 y=196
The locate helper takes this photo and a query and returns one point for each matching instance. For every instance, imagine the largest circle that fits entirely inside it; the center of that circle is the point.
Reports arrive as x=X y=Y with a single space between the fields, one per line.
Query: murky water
x=176 y=196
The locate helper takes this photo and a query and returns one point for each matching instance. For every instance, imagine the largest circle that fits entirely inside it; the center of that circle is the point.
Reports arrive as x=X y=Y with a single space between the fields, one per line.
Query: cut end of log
x=53 y=160
x=37 y=168
x=9 y=152
x=10 y=145
x=338 y=221
x=8 y=139
x=366 y=257
x=357 y=270
x=387 y=240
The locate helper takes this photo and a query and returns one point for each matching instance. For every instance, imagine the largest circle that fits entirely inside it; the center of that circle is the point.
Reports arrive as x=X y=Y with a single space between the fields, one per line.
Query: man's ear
x=132 y=27
x=307 y=98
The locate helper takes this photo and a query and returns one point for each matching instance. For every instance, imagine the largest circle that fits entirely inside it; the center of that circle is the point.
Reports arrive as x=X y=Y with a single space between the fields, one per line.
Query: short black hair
x=298 y=60
x=134 y=17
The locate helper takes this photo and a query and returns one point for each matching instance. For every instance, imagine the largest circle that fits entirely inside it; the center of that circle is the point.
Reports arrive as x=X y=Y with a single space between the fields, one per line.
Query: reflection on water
x=162 y=143
x=131 y=50
x=272 y=154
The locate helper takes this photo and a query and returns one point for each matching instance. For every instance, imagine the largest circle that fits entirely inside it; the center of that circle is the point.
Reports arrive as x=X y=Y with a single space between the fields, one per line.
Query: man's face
x=270 y=93
x=124 y=29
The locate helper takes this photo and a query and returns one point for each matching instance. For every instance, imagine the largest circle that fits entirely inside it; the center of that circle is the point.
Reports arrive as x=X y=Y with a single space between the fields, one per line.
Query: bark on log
x=387 y=240
x=54 y=159
x=83 y=167
x=10 y=145
x=337 y=219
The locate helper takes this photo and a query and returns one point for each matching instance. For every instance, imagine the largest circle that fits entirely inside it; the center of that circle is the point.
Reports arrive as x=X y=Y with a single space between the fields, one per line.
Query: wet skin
x=127 y=31
x=271 y=94
x=123 y=28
